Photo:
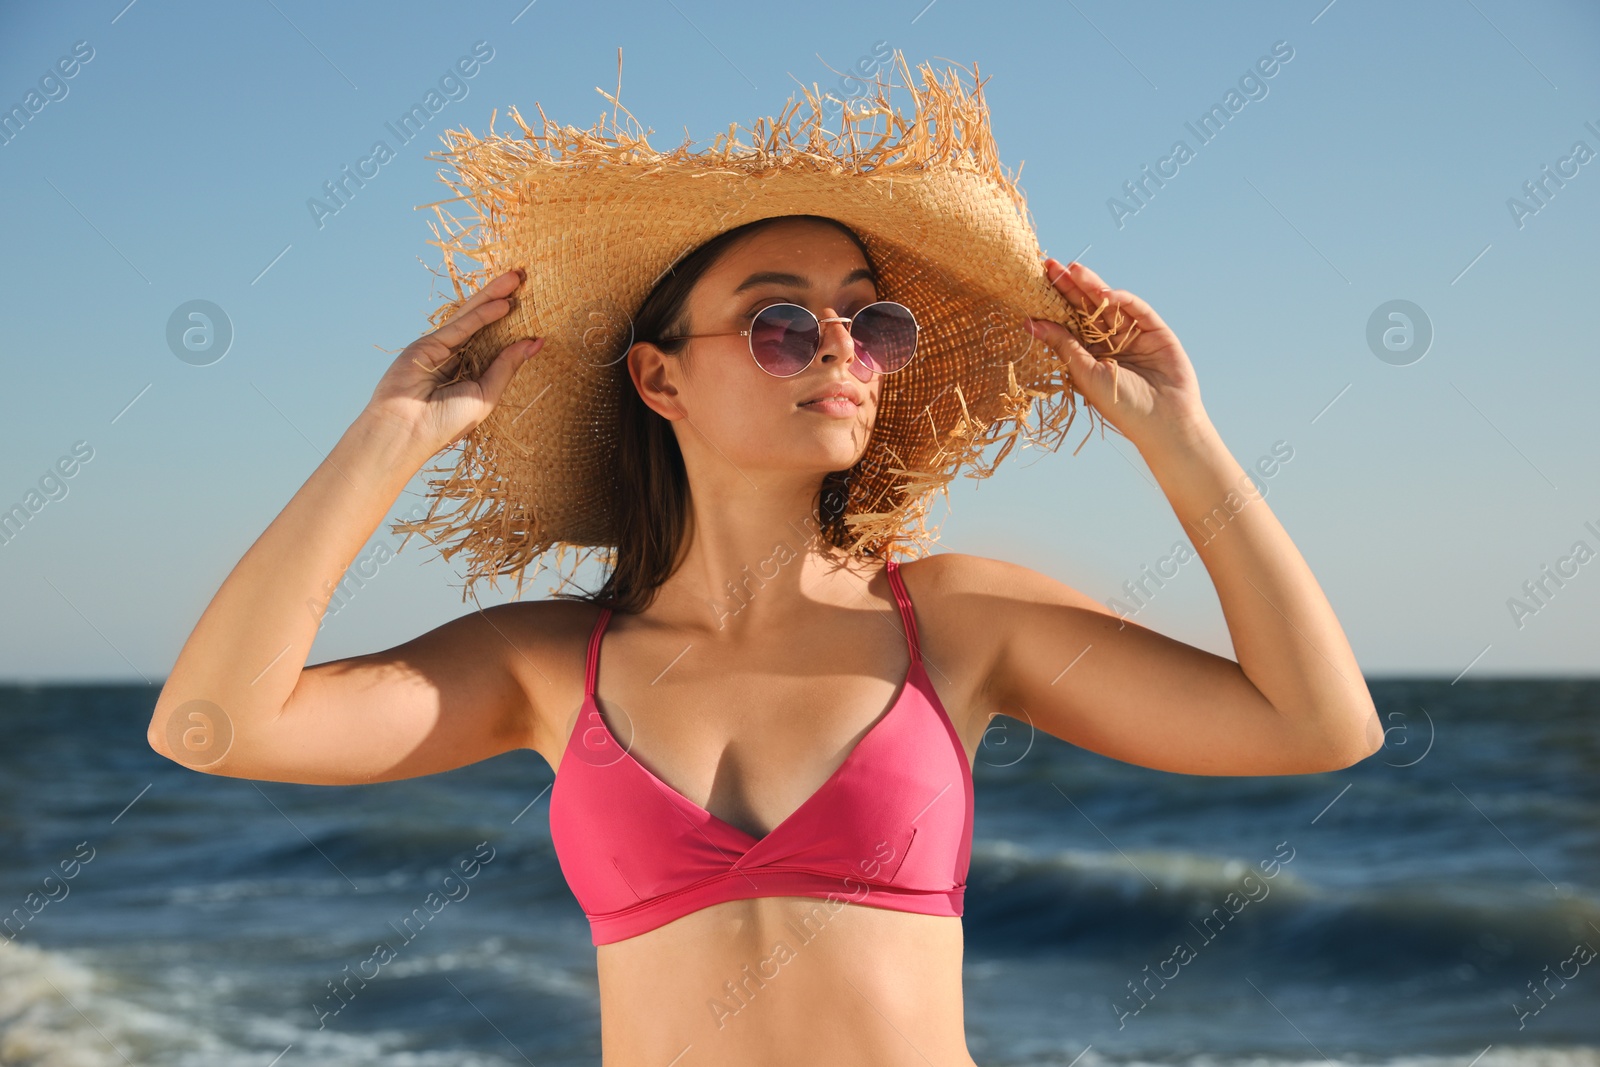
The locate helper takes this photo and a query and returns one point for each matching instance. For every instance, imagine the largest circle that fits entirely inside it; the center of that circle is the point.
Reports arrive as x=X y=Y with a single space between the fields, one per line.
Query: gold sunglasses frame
x=847 y=320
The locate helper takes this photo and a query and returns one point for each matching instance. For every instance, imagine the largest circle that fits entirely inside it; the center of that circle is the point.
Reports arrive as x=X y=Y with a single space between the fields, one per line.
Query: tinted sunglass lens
x=885 y=335
x=783 y=339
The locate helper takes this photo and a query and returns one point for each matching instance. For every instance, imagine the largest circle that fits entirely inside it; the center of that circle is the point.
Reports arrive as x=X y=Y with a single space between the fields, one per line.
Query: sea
x=1436 y=904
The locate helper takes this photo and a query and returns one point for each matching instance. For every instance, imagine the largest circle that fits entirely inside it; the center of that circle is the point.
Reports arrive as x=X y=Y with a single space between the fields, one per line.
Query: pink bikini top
x=891 y=828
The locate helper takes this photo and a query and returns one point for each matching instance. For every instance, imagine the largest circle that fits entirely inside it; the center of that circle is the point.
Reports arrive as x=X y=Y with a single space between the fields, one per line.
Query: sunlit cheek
x=751 y=416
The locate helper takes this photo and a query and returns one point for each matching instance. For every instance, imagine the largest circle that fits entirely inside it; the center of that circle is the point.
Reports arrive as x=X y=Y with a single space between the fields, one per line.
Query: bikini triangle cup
x=900 y=698
x=637 y=853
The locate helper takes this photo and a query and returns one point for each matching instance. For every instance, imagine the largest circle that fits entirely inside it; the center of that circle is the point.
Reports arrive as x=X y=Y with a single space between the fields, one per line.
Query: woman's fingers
x=480 y=309
x=417 y=388
x=1089 y=283
x=1086 y=372
x=1074 y=284
x=1075 y=287
x=1061 y=340
x=462 y=325
x=435 y=354
x=1143 y=312
x=1117 y=322
x=497 y=375
x=1061 y=277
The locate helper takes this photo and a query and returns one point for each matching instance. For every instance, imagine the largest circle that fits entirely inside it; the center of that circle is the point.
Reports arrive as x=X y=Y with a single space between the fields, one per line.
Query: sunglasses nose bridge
x=822 y=335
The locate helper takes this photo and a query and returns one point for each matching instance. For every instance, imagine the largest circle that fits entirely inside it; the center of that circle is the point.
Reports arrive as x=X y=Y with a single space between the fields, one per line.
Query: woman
x=733 y=726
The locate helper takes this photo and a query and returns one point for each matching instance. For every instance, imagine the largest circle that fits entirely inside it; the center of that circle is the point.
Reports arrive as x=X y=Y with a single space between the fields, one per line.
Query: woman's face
x=724 y=402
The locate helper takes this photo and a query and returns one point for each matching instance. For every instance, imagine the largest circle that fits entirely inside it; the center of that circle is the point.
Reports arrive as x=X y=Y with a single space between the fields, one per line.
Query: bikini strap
x=594 y=652
x=902 y=600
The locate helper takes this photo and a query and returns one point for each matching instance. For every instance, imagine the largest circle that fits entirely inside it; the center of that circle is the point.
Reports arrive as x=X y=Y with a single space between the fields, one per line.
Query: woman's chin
x=834 y=447
x=827 y=460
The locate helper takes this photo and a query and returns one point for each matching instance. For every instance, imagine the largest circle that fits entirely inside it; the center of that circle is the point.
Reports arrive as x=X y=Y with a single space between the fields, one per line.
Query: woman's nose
x=835 y=339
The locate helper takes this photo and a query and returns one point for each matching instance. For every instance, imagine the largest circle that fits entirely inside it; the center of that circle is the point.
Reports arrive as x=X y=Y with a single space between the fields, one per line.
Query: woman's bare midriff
x=786 y=982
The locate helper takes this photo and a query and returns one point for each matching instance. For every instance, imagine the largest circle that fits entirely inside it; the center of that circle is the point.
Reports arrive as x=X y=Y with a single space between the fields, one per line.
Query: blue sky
x=1379 y=163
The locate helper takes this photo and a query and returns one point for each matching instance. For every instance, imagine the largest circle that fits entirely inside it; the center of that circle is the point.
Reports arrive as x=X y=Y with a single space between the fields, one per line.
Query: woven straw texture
x=597 y=216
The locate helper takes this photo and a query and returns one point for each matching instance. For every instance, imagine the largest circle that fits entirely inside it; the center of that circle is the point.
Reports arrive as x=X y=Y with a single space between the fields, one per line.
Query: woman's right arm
x=240 y=700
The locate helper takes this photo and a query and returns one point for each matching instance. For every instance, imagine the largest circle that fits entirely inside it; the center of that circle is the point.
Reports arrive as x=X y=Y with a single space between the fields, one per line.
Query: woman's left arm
x=1291 y=650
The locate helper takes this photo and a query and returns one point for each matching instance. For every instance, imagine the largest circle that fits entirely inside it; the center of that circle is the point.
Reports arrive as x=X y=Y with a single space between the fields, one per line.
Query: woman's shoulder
x=555 y=618
x=959 y=601
x=967 y=605
x=946 y=574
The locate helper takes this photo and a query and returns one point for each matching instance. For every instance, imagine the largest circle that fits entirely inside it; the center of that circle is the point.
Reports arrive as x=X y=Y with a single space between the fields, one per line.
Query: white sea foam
x=57 y=1009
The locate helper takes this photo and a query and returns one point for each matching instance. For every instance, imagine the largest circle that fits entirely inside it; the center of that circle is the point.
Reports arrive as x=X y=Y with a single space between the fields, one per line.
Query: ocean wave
x=59 y=1009
x=1495 y=1056
x=1025 y=900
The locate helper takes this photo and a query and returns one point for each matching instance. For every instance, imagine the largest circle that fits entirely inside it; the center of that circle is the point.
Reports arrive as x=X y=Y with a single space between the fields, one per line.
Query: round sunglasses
x=785 y=338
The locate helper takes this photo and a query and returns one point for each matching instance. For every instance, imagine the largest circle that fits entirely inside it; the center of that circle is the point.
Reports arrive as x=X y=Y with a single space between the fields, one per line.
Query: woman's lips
x=833 y=405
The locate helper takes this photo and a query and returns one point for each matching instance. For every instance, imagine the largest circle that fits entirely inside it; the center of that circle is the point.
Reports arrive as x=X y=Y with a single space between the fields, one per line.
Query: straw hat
x=598 y=216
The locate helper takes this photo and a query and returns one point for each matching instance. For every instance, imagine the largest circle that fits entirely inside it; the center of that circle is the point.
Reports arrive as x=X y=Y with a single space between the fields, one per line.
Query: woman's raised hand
x=1140 y=379
x=411 y=392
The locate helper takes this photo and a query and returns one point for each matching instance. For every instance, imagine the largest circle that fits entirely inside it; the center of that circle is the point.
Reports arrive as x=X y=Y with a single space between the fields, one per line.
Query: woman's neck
x=718 y=585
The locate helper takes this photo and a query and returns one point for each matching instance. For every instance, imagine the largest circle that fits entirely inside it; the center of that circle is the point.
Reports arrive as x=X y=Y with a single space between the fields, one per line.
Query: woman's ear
x=653 y=373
